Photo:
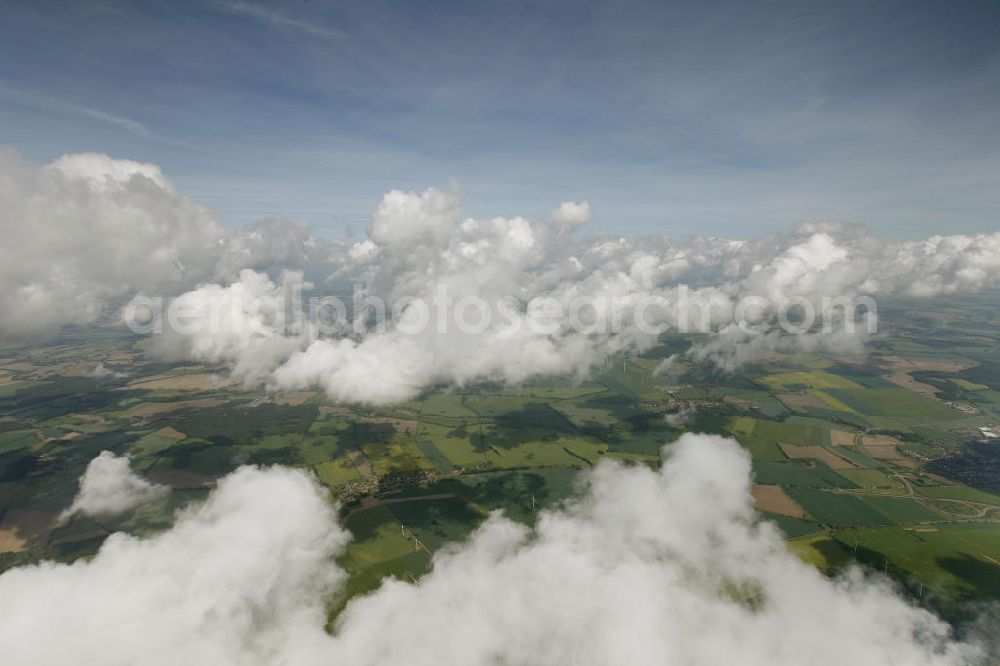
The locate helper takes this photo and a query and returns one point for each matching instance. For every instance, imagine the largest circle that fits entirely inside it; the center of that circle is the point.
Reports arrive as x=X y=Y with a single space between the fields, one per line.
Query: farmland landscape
x=457 y=333
x=887 y=458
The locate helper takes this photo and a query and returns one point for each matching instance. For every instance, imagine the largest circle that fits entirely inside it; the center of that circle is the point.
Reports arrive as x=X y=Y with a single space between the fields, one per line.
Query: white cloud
x=572 y=213
x=644 y=567
x=87 y=228
x=243 y=324
x=403 y=219
x=109 y=487
x=418 y=244
x=102 y=371
x=240 y=579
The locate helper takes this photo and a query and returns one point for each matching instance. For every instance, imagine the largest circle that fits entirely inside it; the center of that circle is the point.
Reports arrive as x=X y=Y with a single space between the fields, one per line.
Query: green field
x=869 y=478
x=957 y=560
x=896 y=403
x=432 y=468
x=836 y=509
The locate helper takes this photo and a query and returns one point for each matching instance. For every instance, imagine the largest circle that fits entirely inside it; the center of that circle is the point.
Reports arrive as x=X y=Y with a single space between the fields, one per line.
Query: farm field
x=852 y=461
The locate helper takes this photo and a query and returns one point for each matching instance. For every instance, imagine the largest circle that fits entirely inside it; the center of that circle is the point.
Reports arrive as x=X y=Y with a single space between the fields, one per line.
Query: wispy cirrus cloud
x=57 y=105
x=279 y=20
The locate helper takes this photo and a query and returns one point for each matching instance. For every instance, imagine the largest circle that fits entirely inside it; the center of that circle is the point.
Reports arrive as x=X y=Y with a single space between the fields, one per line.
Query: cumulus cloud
x=941 y=265
x=102 y=371
x=86 y=229
x=680 y=417
x=245 y=324
x=239 y=579
x=609 y=294
x=417 y=246
x=731 y=347
x=647 y=567
x=643 y=567
x=109 y=487
x=572 y=213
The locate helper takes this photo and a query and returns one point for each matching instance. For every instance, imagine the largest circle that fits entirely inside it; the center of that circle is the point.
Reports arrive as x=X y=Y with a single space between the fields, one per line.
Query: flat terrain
x=880 y=458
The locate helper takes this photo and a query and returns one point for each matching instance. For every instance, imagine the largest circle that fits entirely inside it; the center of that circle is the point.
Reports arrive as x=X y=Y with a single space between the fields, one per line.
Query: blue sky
x=728 y=118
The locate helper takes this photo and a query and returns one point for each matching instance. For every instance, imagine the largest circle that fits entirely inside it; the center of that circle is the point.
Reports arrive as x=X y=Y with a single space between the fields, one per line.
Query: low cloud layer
x=610 y=294
x=643 y=567
x=87 y=230
x=109 y=487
